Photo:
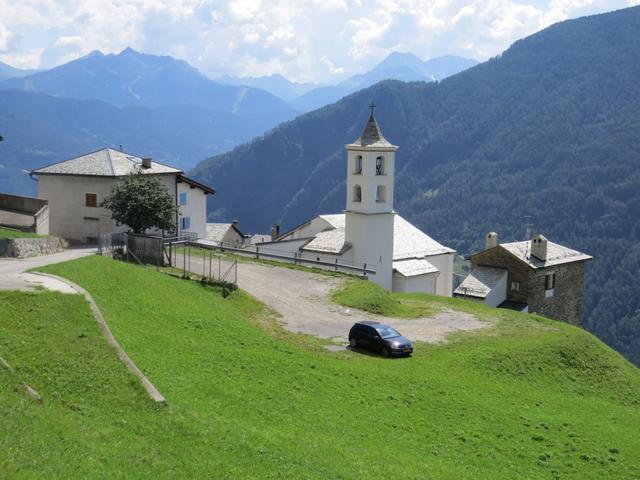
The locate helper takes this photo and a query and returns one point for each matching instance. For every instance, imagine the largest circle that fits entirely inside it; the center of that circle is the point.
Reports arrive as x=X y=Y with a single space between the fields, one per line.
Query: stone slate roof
x=217 y=231
x=480 y=281
x=411 y=242
x=408 y=240
x=372 y=136
x=556 y=254
x=413 y=267
x=329 y=241
x=103 y=163
x=335 y=220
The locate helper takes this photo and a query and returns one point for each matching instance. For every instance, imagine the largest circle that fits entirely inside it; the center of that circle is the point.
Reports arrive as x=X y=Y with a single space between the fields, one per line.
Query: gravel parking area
x=303 y=300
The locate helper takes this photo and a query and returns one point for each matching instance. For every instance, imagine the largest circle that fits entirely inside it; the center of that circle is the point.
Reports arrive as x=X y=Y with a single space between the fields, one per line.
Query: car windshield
x=388 y=332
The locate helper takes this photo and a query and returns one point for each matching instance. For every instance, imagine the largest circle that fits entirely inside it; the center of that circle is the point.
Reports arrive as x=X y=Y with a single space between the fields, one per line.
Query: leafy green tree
x=141 y=202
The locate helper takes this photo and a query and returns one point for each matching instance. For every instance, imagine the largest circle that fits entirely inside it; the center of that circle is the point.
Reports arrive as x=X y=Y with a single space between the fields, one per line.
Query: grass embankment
x=370 y=297
x=10 y=233
x=535 y=399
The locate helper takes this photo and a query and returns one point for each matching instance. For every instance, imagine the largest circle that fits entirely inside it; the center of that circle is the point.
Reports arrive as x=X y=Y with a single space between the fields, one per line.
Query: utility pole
x=528 y=226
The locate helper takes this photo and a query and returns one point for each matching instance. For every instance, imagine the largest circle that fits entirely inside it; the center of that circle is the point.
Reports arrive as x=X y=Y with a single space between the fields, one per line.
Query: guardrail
x=255 y=251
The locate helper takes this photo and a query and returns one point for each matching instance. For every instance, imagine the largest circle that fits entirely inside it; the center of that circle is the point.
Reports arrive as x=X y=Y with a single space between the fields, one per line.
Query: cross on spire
x=372 y=106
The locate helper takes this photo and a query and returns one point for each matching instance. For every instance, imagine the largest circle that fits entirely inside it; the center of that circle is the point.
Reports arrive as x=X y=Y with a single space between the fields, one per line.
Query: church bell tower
x=369 y=216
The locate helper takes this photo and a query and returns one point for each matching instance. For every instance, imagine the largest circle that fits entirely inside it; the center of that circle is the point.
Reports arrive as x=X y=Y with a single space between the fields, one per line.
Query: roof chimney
x=539 y=247
x=490 y=240
x=146 y=163
x=275 y=232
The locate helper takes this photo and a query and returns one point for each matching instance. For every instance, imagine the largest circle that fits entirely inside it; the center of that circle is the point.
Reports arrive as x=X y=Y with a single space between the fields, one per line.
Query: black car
x=380 y=338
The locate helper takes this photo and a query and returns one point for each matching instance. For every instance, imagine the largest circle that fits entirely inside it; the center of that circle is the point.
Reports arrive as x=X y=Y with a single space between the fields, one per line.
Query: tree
x=141 y=202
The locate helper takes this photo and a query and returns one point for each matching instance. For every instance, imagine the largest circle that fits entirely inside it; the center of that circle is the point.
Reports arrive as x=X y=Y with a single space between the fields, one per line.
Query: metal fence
x=325 y=262
x=169 y=251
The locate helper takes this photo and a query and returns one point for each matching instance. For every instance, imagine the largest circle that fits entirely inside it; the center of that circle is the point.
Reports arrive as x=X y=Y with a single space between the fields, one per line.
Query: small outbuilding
x=226 y=234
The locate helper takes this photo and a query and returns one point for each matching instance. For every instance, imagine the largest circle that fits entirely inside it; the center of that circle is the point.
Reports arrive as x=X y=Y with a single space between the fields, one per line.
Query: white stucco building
x=75 y=188
x=369 y=231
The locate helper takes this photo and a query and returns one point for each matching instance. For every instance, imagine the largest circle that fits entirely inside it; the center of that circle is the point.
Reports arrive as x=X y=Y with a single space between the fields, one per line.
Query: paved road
x=13 y=274
x=303 y=300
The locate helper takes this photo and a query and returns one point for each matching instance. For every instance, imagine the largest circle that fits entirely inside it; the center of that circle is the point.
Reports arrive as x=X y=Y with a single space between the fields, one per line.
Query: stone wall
x=30 y=247
x=566 y=302
x=518 y=271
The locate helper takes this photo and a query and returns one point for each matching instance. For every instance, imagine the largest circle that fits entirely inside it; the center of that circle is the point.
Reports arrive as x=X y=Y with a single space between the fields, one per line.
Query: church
x=369 y=231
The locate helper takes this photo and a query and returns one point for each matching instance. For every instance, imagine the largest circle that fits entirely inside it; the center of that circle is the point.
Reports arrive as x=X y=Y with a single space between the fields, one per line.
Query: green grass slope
x=11 y=233
x=528 y=399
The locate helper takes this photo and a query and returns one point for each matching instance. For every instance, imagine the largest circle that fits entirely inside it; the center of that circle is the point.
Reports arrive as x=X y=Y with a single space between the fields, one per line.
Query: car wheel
x=353 y=342
x=384 y=352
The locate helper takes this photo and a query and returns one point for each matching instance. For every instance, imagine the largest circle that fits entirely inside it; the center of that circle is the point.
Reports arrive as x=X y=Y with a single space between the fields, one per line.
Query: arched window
x=358 y=167
x=381 y=193
x=380 y=166
x=357 y=193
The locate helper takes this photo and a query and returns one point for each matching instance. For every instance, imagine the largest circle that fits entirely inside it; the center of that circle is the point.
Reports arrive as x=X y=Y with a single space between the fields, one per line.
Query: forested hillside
x=551 y=129
x=39 y=129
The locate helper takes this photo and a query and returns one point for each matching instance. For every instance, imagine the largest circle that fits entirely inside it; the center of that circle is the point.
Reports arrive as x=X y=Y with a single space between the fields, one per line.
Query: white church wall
x=444 y=263
x=417 y=284
x=498 y=294
x=368 y=180
x=371 y=237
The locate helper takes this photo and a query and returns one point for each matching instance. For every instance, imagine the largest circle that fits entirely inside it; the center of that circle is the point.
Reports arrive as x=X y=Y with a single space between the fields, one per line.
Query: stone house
x=536 y=276
x=74 y=189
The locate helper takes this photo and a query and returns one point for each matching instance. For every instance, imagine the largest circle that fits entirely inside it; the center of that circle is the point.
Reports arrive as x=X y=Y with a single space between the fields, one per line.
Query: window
x=357 y=194
x=90 y=199
x=183 y=198
x=185 y=223
x=549 y=284
x=515 y=286
x=380 y=193
x=380 y=166
x=549 y=281
x=358 y=168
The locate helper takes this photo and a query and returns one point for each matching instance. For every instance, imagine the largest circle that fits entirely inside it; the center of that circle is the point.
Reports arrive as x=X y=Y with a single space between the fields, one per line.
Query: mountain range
x=154 y=105
x=7 y=71
x=131 y=78
x=406 y=67
x=275 y=84
x=548 y=129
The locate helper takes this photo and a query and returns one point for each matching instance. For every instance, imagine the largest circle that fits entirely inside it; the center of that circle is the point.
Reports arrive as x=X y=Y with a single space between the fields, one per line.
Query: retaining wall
x=30 y=247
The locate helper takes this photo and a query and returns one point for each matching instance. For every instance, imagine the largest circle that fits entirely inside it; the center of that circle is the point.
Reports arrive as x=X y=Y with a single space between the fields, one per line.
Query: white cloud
x=303 y=39
x=23 y=59
x=73 y=41
x=6 y=38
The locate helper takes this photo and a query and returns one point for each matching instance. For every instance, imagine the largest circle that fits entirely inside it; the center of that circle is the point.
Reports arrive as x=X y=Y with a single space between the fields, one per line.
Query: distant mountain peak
x=129 y=51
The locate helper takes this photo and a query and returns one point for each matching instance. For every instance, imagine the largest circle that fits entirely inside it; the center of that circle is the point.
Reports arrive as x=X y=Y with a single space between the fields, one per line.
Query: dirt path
x=303 y=300
x=13 y=274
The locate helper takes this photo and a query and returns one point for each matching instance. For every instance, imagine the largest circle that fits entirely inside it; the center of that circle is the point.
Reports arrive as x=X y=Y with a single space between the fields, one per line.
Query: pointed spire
x=371 y=135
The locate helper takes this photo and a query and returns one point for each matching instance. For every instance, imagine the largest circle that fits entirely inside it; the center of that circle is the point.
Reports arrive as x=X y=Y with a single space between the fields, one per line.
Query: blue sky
x=305 y=40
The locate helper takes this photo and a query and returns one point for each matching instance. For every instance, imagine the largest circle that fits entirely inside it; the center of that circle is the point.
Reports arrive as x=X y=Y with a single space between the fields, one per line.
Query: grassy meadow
x=11 y=233
x=530 y=398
